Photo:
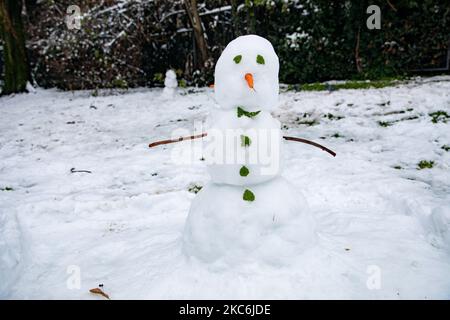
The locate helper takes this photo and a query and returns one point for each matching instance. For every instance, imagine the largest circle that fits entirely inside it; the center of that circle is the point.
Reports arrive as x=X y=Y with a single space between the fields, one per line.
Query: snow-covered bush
x=128 y=43
x=105 y=52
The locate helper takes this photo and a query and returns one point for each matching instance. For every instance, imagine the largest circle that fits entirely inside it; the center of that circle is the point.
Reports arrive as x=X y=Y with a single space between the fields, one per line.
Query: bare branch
x=204 y=134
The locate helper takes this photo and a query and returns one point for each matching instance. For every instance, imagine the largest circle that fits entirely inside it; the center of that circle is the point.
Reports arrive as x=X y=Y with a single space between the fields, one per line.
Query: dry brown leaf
x=100 y=292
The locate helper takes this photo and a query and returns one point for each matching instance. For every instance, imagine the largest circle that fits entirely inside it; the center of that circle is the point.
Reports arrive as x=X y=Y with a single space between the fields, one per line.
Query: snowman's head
x=171 y=74
x=246 y=75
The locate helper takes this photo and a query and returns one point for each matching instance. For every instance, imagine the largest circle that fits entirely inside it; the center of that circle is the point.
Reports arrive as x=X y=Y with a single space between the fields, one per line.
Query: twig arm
x=157 y=143
x=312 y=143
x=204 y=134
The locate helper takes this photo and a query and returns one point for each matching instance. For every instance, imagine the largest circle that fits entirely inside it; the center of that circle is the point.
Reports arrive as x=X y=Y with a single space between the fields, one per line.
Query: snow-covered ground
x=383 y=224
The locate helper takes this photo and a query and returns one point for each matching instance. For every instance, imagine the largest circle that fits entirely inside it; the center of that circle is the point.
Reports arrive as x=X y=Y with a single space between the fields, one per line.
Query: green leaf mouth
x=241 y=112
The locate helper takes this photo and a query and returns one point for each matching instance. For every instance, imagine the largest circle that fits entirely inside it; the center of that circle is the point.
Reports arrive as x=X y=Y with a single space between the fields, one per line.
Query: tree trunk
x=250 y=5
x=196 y=23
x=357 y=57
x=14 y=52
x=358 y=20
x=235 y=18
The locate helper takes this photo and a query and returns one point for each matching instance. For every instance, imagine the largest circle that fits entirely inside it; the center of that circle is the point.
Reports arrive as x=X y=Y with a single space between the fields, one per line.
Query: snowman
x=248 y=211
x=170 y=84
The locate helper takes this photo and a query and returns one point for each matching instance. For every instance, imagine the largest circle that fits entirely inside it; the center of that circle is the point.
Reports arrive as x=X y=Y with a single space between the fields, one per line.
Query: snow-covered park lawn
x=382 y=205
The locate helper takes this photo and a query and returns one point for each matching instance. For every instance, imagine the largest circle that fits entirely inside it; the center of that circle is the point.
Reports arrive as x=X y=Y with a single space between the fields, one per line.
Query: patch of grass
x=337 y=135
x=7 y=189
x=195 y=188
x=312 y=87
x=309 y=123
x=424 y=164
x=390 y=123
x=394 y=112
x=182 y=83
x=398 y=167
x=445 y=147
x=409 y=118
x=306 y=120
x=120 y=83
x=383 y=104
x=158 y=77
x=351 y=84
x=384 y=124
x=332 y=116
x=439 y=116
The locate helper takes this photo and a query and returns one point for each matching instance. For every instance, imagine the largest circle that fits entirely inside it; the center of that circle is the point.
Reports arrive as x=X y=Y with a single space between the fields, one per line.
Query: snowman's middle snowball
x=233 y=142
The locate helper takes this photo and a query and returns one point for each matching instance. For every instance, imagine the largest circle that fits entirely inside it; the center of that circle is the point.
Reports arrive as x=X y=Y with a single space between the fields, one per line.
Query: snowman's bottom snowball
x=274 y=228
x=168 y=92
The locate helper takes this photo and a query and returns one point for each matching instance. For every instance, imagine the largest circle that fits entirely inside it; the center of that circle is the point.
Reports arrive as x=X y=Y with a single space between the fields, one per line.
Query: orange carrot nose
x=249 y=78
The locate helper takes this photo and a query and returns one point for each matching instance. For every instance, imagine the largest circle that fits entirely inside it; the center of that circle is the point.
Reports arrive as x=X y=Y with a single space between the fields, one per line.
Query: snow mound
x=10 y=251
x=440 y=231
x=273 y=228
x=123 y=223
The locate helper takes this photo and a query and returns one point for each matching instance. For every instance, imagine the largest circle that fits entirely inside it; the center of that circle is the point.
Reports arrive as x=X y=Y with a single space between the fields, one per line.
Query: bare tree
x=15 y=56
x=196 y=23
x=235 y=18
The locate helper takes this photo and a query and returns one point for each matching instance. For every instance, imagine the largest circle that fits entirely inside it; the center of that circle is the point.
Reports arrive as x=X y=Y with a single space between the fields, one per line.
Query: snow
x=383 y=232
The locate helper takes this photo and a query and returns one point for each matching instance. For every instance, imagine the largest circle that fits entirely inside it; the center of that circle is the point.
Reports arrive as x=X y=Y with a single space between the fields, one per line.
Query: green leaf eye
x=260 y=59
x=237 y=59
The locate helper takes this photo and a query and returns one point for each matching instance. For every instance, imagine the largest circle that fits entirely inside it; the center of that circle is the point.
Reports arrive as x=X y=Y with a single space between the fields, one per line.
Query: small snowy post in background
x=170 y=84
